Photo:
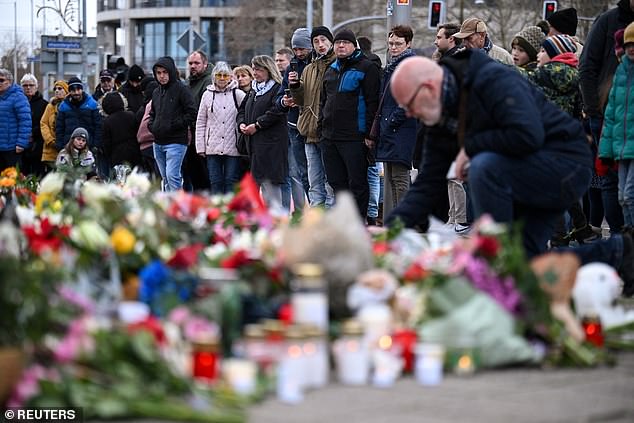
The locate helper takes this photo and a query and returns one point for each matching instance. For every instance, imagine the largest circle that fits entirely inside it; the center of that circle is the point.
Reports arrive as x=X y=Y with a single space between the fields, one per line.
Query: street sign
x=63 y=44
x=197 y=40
x=33 y=59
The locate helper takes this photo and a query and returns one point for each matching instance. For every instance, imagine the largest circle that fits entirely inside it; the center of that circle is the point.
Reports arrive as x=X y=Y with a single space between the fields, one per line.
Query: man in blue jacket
x=526 y=160
x=348 y=103
x=79 y=110
x=15 y=121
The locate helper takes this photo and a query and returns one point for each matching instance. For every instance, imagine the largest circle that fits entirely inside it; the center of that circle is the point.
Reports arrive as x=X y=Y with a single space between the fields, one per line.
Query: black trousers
x=346 y=164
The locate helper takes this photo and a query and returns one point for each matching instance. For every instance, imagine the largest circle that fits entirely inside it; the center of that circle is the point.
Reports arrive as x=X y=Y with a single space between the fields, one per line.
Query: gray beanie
x=301 y=39
x=80 y=132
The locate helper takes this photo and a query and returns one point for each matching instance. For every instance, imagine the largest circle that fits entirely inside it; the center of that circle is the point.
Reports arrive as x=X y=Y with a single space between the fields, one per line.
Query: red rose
x=414 y=272
x=185 y=257
x=488 y=246
x=236 y=260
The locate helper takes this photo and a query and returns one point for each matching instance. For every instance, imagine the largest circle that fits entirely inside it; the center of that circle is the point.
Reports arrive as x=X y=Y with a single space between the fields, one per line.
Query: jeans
x=610 y=196
x=374 y=184
x=609 y=186
x=347 y=169
x=297 y=181
x=224 y=173
x=272 y=195
x=320 y=193
x=457 y=202
x=535 y=189
x=397 y=180
x=626 y=190
x=169 y=159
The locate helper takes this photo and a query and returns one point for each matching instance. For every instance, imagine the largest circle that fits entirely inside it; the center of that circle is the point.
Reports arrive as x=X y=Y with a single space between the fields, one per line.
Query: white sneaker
x=461 y=229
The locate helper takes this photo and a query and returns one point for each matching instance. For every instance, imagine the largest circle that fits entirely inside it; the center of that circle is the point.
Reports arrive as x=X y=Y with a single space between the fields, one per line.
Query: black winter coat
x=397 y=139
x=499 y=101
x=269 y=145
x=38 y=105
x=134 y=95
x=173 y=110
x=119 y=132
x=598 y=61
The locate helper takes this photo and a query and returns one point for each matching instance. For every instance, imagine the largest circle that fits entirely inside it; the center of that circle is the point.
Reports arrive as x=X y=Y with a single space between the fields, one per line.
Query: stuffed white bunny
x=597 y=286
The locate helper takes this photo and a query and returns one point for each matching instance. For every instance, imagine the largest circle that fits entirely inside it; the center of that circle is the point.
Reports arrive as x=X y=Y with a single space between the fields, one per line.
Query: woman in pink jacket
x=216 y=129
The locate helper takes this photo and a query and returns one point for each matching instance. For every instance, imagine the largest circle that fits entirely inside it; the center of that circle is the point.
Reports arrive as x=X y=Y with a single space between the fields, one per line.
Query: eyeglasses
x=28 y=85
x=408 y=106
x=2 y=80
x=396 y=44
x=58 y=89
x=106 y=79
x=222 y=76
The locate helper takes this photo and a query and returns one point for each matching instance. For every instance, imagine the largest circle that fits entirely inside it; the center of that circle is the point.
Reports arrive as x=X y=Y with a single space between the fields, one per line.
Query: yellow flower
x=10 y=172
x=6 y=182
x=42 y=201
x=122 y=240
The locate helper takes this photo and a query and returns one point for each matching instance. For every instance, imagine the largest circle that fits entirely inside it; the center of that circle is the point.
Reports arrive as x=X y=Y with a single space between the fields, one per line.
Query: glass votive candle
x=429 y=363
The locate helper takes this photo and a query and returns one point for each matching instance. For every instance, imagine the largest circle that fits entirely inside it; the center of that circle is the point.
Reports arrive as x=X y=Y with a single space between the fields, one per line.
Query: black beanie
x=346 y=34
x=564 y=21
x=136 y=73
x=321 y=30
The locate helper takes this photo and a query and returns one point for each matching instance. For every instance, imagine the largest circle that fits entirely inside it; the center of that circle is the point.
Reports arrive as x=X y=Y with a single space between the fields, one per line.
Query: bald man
x=526 y=160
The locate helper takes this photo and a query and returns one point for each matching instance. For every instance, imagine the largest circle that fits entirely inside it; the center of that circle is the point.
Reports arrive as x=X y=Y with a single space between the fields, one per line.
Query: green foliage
x=25 y=288
x=125 y=376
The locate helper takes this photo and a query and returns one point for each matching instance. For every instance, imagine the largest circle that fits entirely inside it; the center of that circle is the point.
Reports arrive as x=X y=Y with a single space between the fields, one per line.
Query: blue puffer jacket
x=73 y=115
x=397 y=138
x=617 y=137
x=15 y=119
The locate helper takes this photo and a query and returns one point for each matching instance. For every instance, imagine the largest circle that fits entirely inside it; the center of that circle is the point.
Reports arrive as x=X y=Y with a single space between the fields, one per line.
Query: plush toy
x=555 y=272
x=596 y=288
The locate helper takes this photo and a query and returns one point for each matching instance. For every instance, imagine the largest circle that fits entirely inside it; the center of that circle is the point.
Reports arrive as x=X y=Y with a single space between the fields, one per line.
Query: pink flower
x=28 y=386
x=179 y=315
x=197 y=328
x=74 y=298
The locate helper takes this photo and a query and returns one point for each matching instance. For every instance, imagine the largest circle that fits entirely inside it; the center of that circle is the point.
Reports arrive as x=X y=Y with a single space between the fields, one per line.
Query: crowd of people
x=537 y=133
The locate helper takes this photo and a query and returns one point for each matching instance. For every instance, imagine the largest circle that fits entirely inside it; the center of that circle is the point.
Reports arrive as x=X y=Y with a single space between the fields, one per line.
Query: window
x=139 y=4
x=219 y=3
x=158 y=39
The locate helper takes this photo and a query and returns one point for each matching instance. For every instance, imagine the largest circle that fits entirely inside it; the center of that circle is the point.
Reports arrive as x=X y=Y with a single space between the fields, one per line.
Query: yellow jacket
x=47 y=126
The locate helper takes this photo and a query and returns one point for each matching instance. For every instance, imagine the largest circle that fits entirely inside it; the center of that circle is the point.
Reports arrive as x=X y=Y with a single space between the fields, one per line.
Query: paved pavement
x=509 y=395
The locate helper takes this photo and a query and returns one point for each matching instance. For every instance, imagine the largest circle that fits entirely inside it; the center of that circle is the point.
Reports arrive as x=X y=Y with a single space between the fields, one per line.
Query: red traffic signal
x=436 y=14
x=550 y=7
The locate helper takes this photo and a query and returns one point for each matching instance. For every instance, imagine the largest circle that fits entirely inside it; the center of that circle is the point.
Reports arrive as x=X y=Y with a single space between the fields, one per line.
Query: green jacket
x=307 y=95
x=559 y=81
x=199 y=84
x=617 y=137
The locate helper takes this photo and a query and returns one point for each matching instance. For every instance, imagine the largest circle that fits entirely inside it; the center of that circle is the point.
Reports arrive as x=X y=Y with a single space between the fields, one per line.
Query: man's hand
x=249 y=129
x=288 y=101
x=202 y=155
x=293 y=77
x=462 y=165
x=18 y=149
x=369 y=143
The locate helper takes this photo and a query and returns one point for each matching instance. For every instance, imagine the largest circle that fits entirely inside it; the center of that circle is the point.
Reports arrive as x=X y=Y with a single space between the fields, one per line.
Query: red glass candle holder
x=593 y=330
x=406 y=340
x=205 y=361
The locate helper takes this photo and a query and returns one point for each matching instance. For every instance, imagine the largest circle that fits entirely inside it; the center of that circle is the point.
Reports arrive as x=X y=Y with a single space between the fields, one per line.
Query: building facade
x=141 y=31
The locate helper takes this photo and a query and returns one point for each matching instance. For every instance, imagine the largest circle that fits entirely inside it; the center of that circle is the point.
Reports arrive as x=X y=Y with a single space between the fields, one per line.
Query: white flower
x=137 y=182
x=52 y=183
x=91 y=235
x=94 y=193
x=25 y=215
x=214 y=251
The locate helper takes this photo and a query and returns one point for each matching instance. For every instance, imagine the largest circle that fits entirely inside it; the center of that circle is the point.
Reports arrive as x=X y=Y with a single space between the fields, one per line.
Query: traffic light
x=436 y=14
x=550 y=7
